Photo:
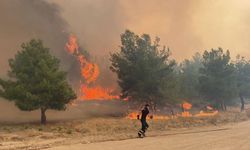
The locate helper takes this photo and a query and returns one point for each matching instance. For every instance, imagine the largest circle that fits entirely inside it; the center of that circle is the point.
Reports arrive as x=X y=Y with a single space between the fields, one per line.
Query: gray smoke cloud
x=184 y=26
x=23 y=20
x=26 y=19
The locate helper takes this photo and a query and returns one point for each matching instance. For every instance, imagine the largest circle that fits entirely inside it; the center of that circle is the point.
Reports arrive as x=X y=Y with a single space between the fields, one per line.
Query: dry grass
x=100 y=129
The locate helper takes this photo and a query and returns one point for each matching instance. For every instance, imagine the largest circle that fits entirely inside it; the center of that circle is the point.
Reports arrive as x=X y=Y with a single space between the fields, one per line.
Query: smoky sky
x=185 y=26
x=27 y=19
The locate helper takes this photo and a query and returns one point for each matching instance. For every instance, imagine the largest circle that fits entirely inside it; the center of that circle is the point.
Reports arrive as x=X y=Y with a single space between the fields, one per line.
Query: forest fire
x=185 y=106
x=90 y=73
x=97 y=93
x=133 y=115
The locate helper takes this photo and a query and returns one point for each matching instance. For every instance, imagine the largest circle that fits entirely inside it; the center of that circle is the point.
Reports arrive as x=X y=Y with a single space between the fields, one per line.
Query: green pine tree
x=218 y=78
x=35 y=80
x=145 y=72
x=243 y=79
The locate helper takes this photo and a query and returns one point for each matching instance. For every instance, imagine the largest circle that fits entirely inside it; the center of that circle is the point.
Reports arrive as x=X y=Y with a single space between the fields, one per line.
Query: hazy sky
x=186 y=26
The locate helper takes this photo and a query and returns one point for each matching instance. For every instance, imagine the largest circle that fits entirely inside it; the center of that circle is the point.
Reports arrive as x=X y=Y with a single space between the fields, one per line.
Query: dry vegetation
x=35 y=136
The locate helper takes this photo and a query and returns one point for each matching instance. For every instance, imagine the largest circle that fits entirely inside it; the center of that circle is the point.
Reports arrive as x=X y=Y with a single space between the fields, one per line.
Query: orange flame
x=185 y=105
x=133 y=115
x=186 y=114
x=72 y=45
x=96 y=93
x=207 y=114
x=90 y=73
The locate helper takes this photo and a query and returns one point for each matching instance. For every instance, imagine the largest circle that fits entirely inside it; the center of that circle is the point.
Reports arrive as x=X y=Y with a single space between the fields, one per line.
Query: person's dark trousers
x=144 y=126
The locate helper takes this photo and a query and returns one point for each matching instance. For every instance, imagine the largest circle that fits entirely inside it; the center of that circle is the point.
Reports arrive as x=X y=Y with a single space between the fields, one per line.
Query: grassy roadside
x=35 y=136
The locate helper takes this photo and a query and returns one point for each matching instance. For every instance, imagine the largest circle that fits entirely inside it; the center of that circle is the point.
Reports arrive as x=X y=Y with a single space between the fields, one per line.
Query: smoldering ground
x=81 y=110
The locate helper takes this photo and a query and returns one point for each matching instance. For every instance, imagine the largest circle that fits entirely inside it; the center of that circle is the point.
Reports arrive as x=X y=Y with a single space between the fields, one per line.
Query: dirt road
x=230 y=137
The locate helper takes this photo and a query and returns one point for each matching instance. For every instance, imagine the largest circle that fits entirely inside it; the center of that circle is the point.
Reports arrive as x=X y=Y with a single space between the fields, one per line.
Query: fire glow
x=185 y=106
x=90 y=73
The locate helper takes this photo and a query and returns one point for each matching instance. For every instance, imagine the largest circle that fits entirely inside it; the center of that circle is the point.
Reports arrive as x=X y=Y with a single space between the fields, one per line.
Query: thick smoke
x=23 y=20
x=26 y=19
x=184 y=26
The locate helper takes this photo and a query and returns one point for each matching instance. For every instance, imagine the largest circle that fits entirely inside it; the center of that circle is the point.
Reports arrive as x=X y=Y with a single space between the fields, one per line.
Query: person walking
x=143 y=119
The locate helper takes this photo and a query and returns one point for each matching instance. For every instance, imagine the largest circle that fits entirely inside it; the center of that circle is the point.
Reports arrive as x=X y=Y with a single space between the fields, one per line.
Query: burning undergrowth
x=207 y=111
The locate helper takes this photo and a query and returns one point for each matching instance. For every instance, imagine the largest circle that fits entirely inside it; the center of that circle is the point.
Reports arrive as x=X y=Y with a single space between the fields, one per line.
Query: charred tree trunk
x=172 y=111
x=154 y=107
x=223 y=106
x=242 y=108
x=43 y=116
x=182 y=108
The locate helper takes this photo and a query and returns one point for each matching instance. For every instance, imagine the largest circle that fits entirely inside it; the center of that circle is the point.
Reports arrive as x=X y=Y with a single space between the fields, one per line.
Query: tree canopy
x=36 y=81
x=146 y=73
x=243 y=79
x=188 y=76
x=218 y=78
x=144 y=70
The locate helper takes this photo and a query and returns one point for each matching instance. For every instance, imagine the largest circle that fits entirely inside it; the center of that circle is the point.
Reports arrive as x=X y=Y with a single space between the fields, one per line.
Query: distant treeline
x=147 y=74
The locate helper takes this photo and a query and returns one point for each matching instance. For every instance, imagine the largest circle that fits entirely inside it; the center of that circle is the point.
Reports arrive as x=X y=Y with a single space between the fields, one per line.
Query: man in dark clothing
x=144 y=124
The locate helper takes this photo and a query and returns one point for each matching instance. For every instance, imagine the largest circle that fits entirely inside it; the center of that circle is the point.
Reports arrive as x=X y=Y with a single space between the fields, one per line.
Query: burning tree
x=218 y=78
x=36 y=81
x=145 y=72
x=89 y=89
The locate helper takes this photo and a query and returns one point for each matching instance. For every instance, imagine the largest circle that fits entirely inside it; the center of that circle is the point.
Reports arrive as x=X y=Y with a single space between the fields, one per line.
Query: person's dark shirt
x=144 y=113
